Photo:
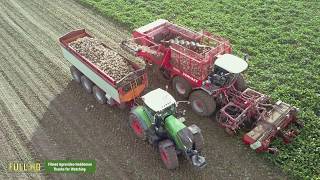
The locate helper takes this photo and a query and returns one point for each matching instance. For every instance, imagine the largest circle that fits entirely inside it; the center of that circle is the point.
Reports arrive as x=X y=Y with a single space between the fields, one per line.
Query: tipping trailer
x=94 y=80
x=199 y=64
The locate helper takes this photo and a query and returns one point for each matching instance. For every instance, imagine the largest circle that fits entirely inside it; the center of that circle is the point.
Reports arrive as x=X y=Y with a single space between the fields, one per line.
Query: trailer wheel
x=241 y=84
x=99 y=94
x=76 y=74
x=181 y=86
x=202 y=103
x=168 y=154
x=111 y=102
x=86 y=84
x=138 y=127
x=122 y=106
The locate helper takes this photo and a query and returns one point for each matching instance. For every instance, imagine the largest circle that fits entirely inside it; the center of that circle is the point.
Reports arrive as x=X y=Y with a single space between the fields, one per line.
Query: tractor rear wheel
x=202 y=103
x=100 y=95
x=181 y=86
x=86 y=84
x=138 y=126
x=168 y=154
x=76 y=74
x=241 y=84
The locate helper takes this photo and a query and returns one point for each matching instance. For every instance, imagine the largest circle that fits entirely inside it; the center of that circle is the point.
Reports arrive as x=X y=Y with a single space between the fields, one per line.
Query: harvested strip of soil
x=106 y=59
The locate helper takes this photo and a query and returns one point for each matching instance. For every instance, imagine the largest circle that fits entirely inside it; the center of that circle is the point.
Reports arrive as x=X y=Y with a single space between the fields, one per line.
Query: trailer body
x=118 y=91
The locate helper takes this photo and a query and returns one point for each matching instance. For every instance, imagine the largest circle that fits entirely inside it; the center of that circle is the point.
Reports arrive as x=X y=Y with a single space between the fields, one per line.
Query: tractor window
x=219 y=70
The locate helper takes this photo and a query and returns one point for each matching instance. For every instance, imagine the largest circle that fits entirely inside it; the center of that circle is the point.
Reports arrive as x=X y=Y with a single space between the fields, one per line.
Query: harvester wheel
x=168 y=154
x=86 y=84
x=241 y=84
x=202 y=103
x=76 y=74
x=99 y=94
x=138 y=126
x=181 y=86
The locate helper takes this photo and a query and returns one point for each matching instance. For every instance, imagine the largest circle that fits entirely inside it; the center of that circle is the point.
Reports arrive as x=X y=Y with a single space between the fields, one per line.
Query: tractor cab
x=227 y=68
x=160 y=103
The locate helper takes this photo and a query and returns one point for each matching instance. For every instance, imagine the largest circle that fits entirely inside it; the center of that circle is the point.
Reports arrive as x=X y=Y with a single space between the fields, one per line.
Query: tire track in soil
x=16 y=139
x=17 y=113
x=36 y=44
x=79 y=136
x=40 y=101
x=41 y=47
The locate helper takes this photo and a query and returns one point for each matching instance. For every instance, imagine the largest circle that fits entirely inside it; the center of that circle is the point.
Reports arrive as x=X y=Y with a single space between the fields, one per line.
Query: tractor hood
x=158 y=99
x=231 y=63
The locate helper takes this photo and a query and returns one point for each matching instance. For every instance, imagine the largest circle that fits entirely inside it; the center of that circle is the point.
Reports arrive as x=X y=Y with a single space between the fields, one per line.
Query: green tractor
x=155 y=122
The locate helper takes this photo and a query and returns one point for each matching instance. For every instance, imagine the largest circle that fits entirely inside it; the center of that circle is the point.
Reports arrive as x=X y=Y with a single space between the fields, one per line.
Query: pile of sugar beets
x=106 y=59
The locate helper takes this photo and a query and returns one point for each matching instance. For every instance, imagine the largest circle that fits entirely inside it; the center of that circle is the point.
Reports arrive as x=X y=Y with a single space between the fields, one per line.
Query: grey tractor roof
x=231 y=63
x=158 y=99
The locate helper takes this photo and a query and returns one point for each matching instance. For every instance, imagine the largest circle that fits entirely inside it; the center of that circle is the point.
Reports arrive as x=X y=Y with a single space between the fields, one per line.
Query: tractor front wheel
x=202 y=103
x=138 y=126
x=168 y=154
x=181 y=86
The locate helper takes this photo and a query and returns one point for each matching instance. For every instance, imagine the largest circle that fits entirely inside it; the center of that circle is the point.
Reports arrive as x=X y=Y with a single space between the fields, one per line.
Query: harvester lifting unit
x=263 y=119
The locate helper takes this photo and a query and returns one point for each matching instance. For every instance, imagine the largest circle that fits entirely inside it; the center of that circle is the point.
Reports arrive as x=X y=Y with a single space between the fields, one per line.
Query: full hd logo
x=24 y=167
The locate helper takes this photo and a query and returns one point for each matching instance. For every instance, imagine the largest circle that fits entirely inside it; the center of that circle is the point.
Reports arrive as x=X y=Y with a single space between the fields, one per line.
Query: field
x=44 y=115
x=282 y=39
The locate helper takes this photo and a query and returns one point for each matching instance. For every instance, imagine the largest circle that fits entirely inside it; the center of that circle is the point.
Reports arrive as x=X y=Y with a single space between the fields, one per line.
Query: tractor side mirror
x=188 y=102
x=167 y=87
x=246 y=57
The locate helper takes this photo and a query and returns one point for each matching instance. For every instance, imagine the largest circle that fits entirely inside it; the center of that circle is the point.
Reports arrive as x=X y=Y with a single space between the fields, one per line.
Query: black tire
x=241 y=84
x=168 y=154
x=76 y=74
x=86 y=84
x=197 y=137
x=202 y=103
x=99 y=94
x=181 y=86
x=138 y=126
x=198 y=140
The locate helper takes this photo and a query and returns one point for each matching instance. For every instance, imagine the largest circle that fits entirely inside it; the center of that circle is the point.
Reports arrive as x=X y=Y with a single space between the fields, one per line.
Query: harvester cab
x=226 y=69
x=155 y=121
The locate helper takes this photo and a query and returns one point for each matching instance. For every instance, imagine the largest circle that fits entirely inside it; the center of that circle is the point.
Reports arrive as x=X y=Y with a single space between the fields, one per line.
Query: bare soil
x=45 y=115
